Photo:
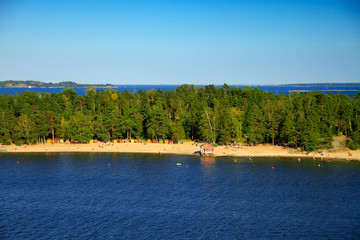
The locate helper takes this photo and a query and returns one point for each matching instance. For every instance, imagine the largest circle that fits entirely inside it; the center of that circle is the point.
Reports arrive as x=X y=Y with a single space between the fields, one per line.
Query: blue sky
x=176 y=42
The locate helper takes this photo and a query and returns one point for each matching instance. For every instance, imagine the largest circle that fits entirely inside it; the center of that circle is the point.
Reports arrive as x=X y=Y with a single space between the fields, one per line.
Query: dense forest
x=220 y=115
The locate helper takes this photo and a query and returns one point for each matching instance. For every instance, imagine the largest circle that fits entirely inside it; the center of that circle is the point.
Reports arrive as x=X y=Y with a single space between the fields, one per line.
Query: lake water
x=133 y=88
x=138 y=196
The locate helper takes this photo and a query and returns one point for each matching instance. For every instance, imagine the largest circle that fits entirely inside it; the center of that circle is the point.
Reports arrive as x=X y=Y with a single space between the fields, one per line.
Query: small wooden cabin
x=207 y=149
x=121 y=141
x=137 y=140
x=171 y=142
x=154 y=141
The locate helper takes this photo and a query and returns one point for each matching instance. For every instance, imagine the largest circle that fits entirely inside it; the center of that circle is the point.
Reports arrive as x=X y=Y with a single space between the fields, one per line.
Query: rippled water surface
x=137 y=196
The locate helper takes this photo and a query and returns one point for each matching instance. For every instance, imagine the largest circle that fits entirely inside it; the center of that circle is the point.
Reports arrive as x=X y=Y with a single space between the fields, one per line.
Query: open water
x=133 y=88
x=138 y=196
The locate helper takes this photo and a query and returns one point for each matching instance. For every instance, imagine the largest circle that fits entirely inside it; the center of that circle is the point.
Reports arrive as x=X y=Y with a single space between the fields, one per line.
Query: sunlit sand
x=187 y=148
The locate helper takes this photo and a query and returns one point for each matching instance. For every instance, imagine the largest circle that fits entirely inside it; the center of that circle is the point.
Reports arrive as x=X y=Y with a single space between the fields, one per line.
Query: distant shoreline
x=38 y=84
x=61 y=87
x=327 y=90
x=185 y=149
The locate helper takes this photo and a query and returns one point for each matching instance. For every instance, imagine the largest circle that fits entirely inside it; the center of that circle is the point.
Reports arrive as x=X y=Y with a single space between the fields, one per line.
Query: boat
x=178 y=164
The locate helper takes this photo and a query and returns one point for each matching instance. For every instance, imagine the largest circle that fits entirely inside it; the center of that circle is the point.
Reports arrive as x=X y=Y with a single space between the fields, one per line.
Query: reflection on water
x=207 y=161
x=208 y=164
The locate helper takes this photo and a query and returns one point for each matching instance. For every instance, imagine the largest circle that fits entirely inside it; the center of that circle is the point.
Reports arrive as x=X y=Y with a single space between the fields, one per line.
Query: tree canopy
x=222 y=115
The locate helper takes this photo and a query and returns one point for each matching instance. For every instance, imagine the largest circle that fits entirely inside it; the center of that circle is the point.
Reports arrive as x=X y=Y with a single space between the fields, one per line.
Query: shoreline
x=187 y=148
x=59 y=87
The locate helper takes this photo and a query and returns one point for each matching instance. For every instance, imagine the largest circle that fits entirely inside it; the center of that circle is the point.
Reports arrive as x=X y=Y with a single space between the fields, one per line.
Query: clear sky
x=176 y=42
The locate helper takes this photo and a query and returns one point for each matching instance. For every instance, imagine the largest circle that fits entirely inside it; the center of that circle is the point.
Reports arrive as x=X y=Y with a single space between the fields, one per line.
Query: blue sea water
x=133 y=88
x=138 y=196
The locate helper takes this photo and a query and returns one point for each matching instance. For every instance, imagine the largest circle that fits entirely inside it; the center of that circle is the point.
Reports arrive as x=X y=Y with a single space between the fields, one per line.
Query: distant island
x=321 y=84
x=39 y=84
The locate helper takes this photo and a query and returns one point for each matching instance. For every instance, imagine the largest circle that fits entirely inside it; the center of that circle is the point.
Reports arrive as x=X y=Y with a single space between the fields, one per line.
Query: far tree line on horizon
x=39 y=84
x=220 y=115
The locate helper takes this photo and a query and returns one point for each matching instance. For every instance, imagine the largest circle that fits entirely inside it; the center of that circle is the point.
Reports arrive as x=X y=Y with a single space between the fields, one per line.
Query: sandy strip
x=185 y=149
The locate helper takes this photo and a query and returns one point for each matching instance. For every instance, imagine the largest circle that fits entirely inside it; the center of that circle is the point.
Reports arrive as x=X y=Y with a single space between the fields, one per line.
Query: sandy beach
x=187 y=148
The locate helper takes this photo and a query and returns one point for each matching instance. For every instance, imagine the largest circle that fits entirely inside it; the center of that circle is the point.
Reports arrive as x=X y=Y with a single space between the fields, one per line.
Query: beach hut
x=91 y=141
x=132 y=141
x=154 y=141
x=161 y=141
x=115 y=141
x=166 y=141
x=61 y=140
x=56 y=141
x=67 y=141
x=121 y=140
x=95 y=141
x=171 y=142
x=148 y=141
x=207 y=149
x=137 y=140
x=49 y=141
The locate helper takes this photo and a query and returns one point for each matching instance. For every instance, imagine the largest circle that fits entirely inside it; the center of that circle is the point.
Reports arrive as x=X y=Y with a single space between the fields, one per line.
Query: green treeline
x=222 y=115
